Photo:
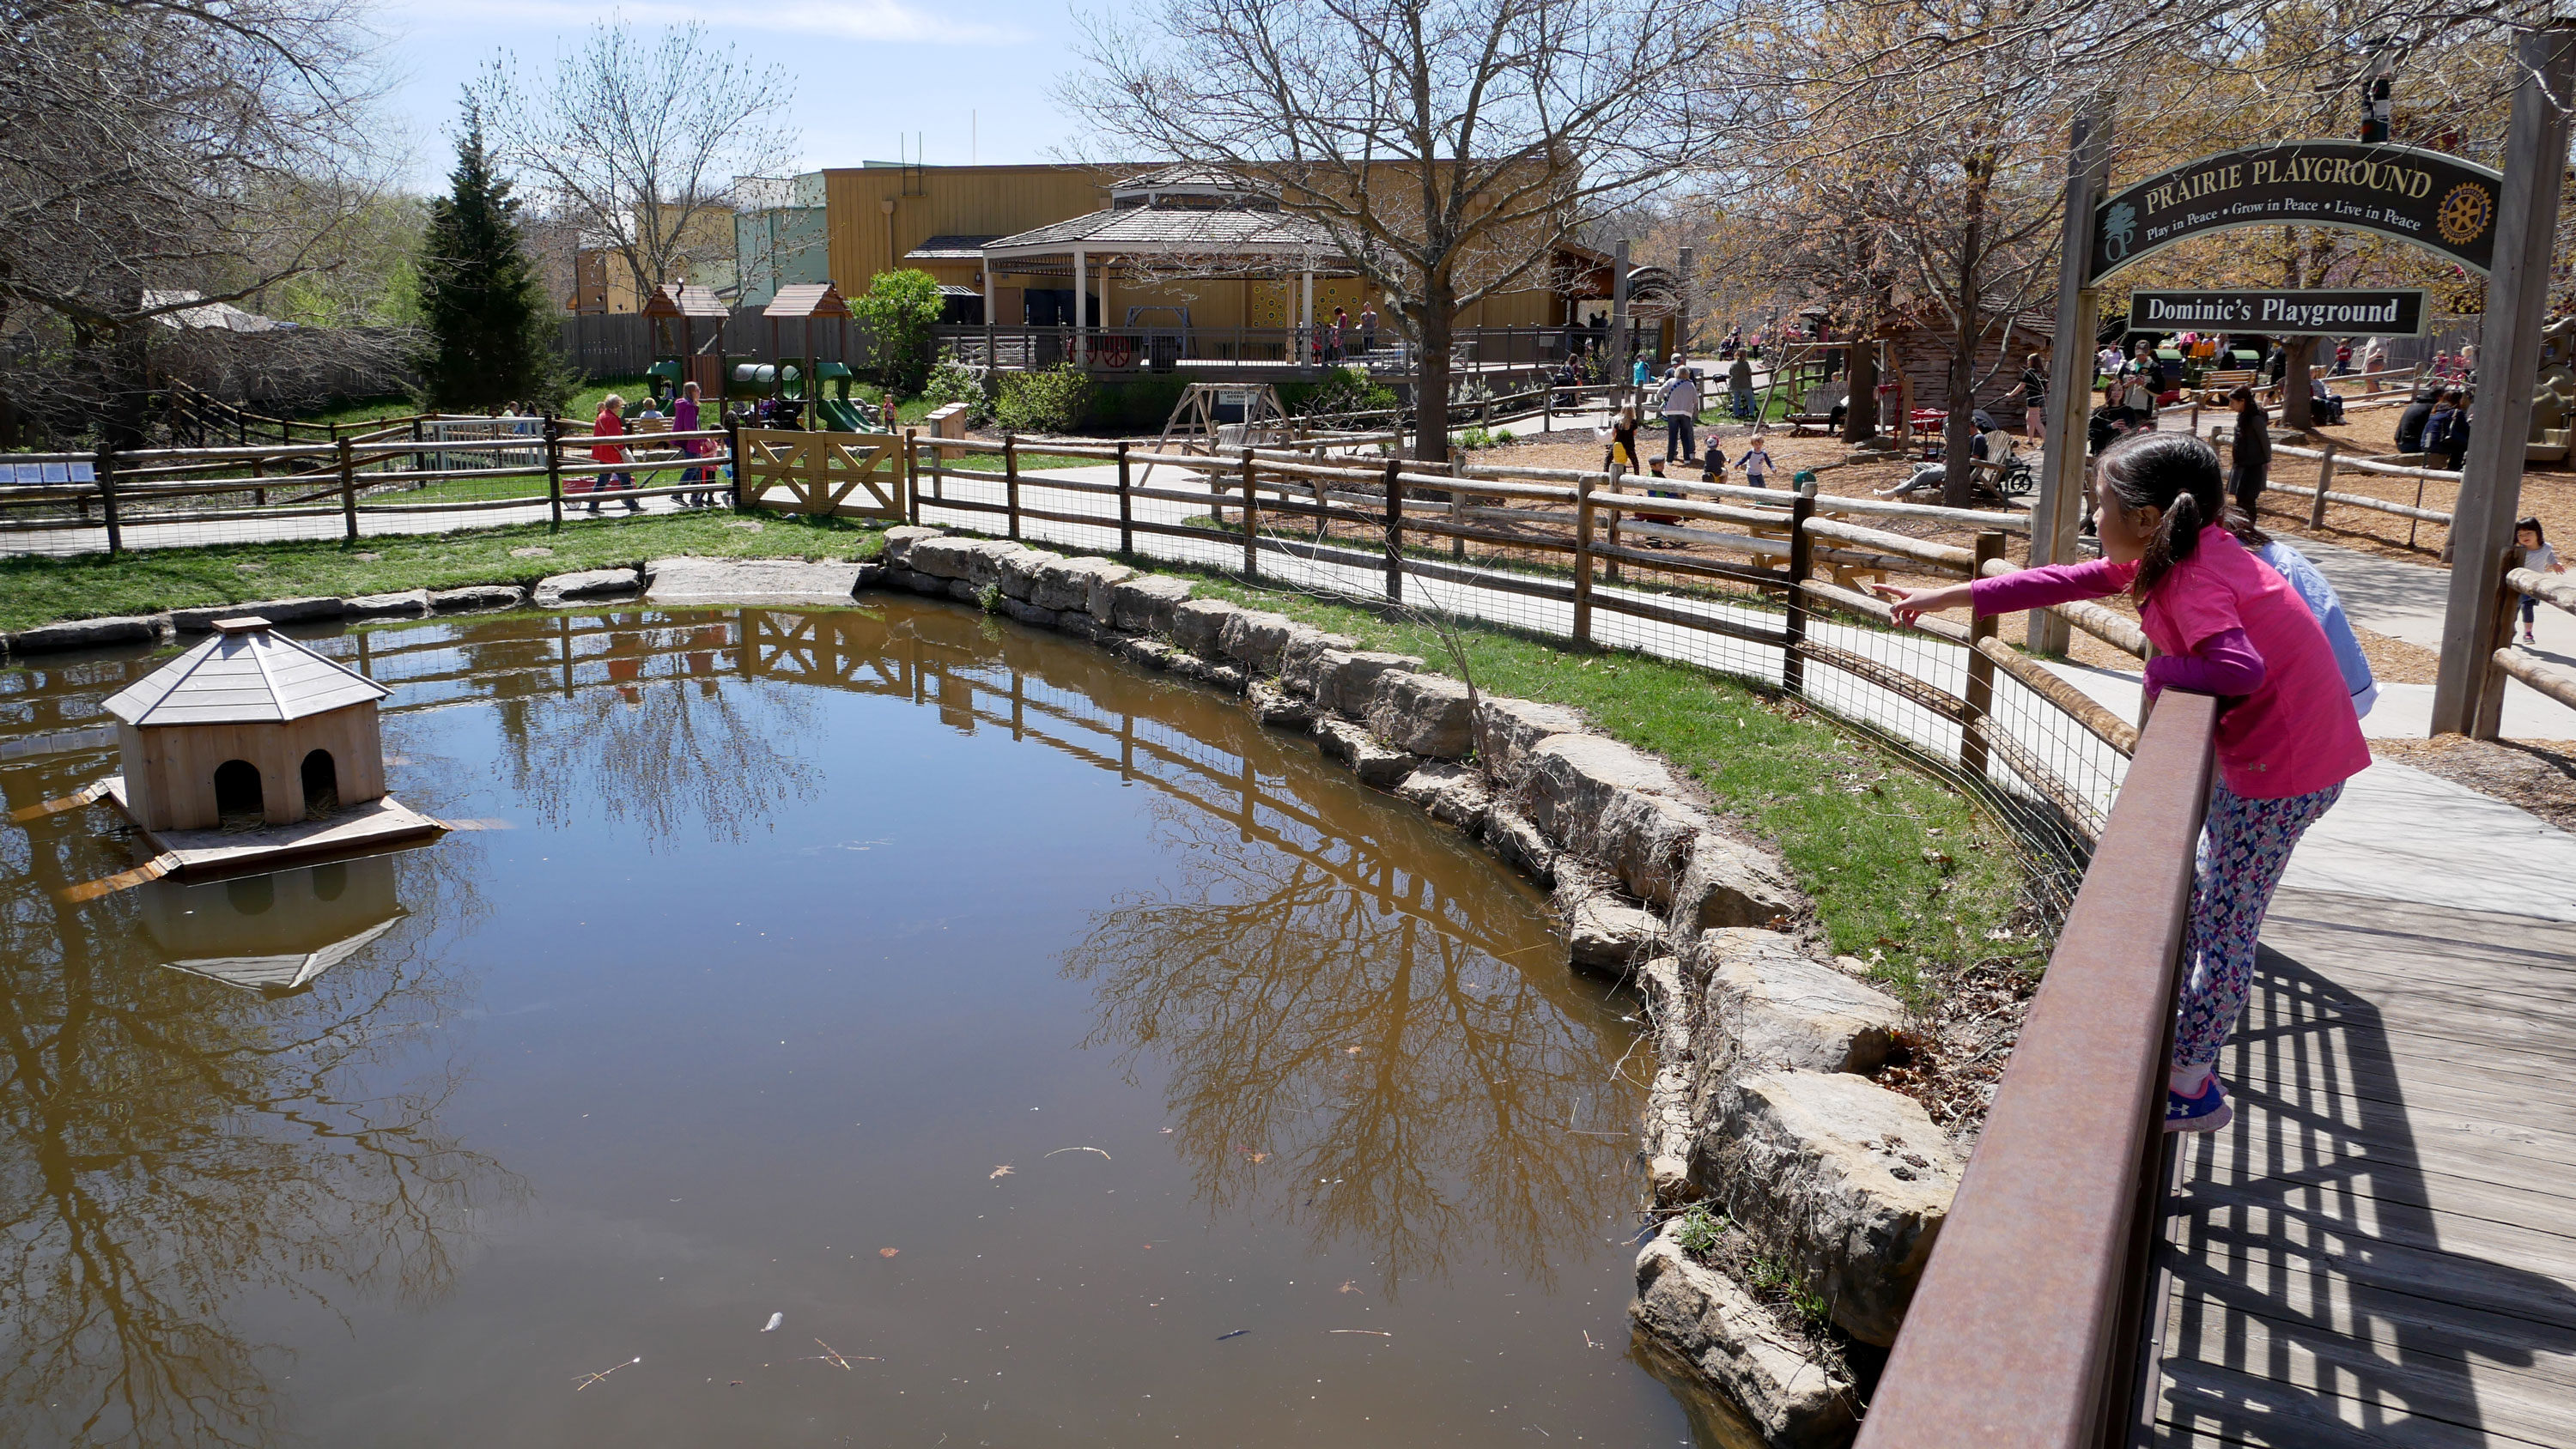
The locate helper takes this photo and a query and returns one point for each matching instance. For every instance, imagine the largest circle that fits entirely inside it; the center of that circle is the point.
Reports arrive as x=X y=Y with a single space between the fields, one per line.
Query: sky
x=973 y=79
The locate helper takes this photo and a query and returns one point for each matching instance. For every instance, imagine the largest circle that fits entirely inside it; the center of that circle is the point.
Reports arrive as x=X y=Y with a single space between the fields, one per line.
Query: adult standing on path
x=1739 y=385
x=610 y=457
x=2033 y=392
x=1368 y=327
x=1681 y=412
x=2251 y=466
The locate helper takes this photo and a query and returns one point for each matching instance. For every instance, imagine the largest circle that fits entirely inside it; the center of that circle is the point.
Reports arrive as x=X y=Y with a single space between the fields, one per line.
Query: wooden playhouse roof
x=245 y=674
x=808 y=299
x=682 y=299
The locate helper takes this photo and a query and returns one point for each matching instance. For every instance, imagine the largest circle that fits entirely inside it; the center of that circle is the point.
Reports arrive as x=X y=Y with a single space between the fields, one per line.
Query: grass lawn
x=584 y=404
x=1904 y=872
x=40 y=590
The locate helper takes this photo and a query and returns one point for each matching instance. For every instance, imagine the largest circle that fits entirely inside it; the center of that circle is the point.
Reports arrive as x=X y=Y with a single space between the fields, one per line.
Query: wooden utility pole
x=2070 y=366
x=2468 y=692
x=1621 y=347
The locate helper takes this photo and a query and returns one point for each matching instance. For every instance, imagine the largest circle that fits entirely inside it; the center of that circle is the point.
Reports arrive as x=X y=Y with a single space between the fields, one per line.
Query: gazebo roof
x=245 y=674
x=807 y=299
x=1174 y=229
x=684 y=299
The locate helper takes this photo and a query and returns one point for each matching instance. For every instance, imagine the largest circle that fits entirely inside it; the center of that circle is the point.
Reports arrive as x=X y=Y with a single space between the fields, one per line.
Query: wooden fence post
x=1802 y=563
x=554 y=470
x=1010 y=480
x=103 y=473
x=348 y=492
x=1395 y=530
x=1126 y=505
x=2325 y=482
x=1610 y=566
x=1980 y=695
x=1251 y=521
x=1583 y=562
x=2486 y=722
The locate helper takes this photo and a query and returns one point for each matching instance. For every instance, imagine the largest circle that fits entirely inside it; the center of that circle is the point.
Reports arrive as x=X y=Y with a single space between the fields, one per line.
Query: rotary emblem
x=2465 y=212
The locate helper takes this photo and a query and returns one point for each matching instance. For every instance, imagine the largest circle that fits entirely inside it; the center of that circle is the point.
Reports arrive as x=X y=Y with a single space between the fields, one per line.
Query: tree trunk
x=1958 y=482
x=2296 y=411
x=1860 y=419
x=1431 y=380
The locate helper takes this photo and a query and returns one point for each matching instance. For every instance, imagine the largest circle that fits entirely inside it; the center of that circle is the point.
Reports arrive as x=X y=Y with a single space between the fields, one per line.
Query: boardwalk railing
x=2029 y=1326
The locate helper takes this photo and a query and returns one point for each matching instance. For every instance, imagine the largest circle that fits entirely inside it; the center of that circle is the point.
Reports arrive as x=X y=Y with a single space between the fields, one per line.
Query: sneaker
x=2205 y=1113
x=2530 y=638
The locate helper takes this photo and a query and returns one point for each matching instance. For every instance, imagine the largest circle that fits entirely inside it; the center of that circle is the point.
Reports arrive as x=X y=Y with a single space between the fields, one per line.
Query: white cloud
x=885 y=21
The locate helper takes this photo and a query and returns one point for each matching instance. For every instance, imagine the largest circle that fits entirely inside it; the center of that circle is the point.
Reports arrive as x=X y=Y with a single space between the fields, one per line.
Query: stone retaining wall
x=1762 y=1103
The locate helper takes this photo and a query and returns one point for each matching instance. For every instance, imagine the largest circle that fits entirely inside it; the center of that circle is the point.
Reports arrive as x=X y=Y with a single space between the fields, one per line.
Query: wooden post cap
x=246 y=624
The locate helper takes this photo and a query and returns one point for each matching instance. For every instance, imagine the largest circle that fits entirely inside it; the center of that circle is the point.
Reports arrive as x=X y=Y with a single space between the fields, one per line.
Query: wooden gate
x=854 y=475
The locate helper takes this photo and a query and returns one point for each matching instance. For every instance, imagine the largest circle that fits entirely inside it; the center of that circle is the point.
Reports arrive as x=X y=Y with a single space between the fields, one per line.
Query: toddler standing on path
x=2224 y=623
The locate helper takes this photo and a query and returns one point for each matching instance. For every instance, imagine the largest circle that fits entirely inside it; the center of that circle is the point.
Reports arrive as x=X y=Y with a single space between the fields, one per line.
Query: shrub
x=1051 y=400
x=951 y=382
x=1342 y=390
x=1141 y=406
x=900 y=308
x=1700 y=1230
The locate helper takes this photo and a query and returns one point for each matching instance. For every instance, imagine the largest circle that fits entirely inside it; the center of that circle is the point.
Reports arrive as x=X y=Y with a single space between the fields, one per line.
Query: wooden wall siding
x=170 y=769
x=1925 y=360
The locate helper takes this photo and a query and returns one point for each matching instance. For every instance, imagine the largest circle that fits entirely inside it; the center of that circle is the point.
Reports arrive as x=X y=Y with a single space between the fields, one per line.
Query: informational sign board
x=2381 y=312
x=2434 y=200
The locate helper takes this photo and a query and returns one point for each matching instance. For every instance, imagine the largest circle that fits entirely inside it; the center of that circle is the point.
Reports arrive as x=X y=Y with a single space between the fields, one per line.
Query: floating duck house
x=247 y=724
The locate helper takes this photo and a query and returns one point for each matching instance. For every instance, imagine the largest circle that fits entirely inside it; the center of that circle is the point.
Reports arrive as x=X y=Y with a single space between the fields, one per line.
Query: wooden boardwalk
x=2381 y=1249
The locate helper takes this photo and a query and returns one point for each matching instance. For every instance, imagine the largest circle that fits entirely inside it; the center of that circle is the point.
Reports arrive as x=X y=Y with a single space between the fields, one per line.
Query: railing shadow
x=2314 y=1299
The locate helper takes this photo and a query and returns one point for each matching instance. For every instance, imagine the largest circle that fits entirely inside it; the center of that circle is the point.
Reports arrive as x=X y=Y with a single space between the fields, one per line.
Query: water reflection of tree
x=1413 y=1092
x=659 y=740
x=169 y=1144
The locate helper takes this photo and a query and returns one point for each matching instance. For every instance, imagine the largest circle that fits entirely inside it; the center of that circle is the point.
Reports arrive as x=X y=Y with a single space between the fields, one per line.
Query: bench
x=2216 y=385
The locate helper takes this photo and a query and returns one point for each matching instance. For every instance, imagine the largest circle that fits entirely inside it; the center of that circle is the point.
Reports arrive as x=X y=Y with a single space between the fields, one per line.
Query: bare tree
x=1447 y=148
x=641 y=142
x=158 y=155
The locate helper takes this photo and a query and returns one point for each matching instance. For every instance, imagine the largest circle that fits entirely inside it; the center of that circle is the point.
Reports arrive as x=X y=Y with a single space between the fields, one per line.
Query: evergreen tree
x=490 y=329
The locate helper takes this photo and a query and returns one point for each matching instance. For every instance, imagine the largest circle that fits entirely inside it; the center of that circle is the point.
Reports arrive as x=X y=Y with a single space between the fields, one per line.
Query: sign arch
x=2431 y=198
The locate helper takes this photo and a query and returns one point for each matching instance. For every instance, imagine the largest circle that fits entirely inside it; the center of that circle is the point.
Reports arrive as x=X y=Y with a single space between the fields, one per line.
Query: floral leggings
x=2244 y=847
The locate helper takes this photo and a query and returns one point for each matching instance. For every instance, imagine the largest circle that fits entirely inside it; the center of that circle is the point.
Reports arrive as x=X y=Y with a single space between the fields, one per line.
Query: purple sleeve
x=2226 y=664
x=2056 y=584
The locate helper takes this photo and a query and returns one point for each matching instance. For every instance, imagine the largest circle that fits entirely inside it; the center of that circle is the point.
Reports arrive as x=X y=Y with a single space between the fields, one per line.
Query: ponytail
x=2178 y=474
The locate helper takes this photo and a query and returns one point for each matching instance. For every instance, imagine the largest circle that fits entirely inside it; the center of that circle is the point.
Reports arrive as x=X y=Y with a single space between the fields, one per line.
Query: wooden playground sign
x=852 y=475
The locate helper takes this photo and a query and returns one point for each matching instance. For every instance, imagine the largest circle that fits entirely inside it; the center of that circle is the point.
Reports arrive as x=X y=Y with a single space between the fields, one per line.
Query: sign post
x=2060 y=507
x=2468 y=692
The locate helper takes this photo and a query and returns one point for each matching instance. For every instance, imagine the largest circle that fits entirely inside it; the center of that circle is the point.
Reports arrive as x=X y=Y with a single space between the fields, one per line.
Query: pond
x=1048 y=1053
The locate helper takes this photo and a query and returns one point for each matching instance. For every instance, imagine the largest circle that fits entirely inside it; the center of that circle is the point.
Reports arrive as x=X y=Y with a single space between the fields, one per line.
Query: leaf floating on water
x=1002 y=1171
x=775 y=1319
x=1238 y=1333
x=1371 y=1332
x=1349 y=1286
x=1105 y=1157
x=1257 y=1156
x=888 y=1252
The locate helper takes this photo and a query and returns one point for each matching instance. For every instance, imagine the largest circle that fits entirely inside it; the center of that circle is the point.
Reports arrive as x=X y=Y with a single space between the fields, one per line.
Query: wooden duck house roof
x=684 y=299
x=809 y=299
x=244 y=674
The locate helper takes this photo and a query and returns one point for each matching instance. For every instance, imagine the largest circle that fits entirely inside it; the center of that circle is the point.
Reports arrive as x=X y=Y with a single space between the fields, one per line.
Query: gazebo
x=1187 y=220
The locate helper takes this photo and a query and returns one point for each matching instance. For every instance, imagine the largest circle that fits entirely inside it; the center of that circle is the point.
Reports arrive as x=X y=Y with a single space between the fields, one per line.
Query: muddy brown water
x=1059 y=1058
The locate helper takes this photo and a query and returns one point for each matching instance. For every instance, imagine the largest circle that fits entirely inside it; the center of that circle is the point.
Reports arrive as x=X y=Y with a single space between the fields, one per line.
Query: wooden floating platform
x=194 y=854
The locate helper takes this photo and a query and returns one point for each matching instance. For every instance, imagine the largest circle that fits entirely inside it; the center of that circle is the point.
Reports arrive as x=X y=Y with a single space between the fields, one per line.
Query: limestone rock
x=1848 y=1180
x=1100 y=600
x=1732 y=882
x=1666 y=989
x=1517 y=843
x=985 y=564
x=83 y=633
x=1277 y=708
x=1603 y=933
x=1508 y=729
x=1298 y=656
x=1146 y=653
x=976 y=561
x=1254 y=637
x=899 y=541
x=965 y=591
x=275 y=611
x=409 y=604
x=1067 y=585
x=1354 y=746
x=685 y=581
x=1020 y=571
x=872 y=575
x=477 y=596
x=1346 y=682
x=1450 y=793
x=1423 y=714
x=918 y=583
x=1727 y=1335
x=1144 y=604
x=558 y=589
x=1198 y=625
x=1776 y=1008
x=1028 y=613
x=1226 y=677
x=1079 y=624
x=1571 y=781
x=1648 y=840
